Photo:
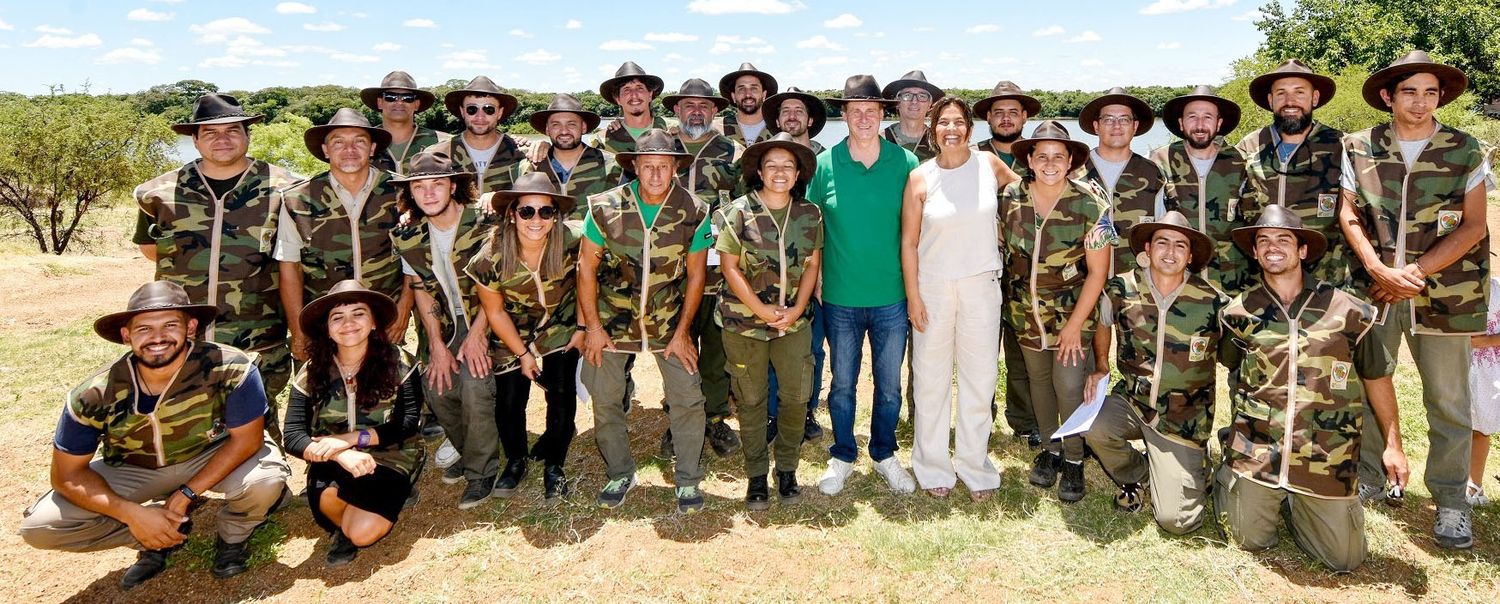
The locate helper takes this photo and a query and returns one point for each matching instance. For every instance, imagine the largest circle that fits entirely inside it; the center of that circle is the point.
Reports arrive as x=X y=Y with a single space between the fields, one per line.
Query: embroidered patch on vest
x=1198 y=349
x=1448 y=221
x=1340 y=376
x=1327 y=205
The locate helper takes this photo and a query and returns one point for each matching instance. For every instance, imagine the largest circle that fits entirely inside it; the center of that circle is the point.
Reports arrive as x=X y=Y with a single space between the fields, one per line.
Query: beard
x=1007 y=138
x=1206 y=142
x=1292 y=124
x=695 y=131
x=162 y=361
x=569 y=145
x=481 y=130
x=748 y=106
x=795 y=128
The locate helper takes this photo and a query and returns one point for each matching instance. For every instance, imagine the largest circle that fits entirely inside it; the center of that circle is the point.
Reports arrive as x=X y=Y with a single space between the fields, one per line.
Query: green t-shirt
x=862 y=224
x=635 y=132
x=702 y=238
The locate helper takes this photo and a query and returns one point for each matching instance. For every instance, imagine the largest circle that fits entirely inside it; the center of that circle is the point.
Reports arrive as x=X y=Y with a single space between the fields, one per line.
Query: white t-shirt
x=1109 y=171
x=442 y=268
x=1202 y=166
x=752 y=131
x=1483 y=174
x=481 y=157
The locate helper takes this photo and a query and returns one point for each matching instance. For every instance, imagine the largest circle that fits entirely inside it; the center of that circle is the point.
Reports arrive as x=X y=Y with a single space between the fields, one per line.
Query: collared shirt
x=862 y=224
x=289 y=244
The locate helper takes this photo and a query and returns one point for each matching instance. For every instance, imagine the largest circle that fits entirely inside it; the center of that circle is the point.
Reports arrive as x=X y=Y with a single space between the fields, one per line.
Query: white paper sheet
x=1083 y=418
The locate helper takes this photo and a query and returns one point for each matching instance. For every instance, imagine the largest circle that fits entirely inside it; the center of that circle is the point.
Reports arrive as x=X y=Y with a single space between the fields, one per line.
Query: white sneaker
x=895 y=475
x=446 y=455
x=832 y=481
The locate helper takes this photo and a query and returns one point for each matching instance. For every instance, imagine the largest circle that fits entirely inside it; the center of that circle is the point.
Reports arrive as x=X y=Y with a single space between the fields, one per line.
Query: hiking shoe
x=341 y=550
x=721 y=437
x=811 y=431
x=1071 y=488
x=758 y=495
x=230 y=559
x=1370 y=493
x=1129 y=499
x=476 y=492
x=832 y=481
x=690 y=499
x=665 y=450
x=614 y=491
x=1033 y=439
x=148 y=564
x=453 y=474
x=1453 y=529
x=1044 y=469
x=771 y=429
x=446 y=455
x=554 y=485
x=896 y=476
x=431 y=429
x=510 y=479
x=786 y=486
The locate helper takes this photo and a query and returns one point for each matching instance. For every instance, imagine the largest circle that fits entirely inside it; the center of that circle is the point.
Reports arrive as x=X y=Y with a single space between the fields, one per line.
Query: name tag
x=1327 y=205
x=713 y=252
x=1070 y=271
x=1340 y=377
x=1197 y=349
x=1448 y=221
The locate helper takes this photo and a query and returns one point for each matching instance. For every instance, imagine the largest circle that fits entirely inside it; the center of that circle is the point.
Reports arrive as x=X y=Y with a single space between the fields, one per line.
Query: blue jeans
x=846 y=327
x=815 y=309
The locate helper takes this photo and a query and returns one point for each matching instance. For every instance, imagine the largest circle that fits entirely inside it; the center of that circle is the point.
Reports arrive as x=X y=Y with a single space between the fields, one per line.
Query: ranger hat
x=344 y=118
x=152 y=297
x=533 y=183
x=912 y=79
x=817 y=112
x=1007 y=90
x=1453 y=81
x=609 y=89
x=861 y=88
x=314 y=318
x=1229 y=112
x=695 y=89
x=807 y=163
x=215 y=108
x=397 y=80
x=1278 y=217
x=563 y=103
x=480 y=86
x=1260 y=87
x=1117 y=96
x=653 y=142
x=726 y=83
x=433 y=163
x=1202 y=246
x=1051 y=130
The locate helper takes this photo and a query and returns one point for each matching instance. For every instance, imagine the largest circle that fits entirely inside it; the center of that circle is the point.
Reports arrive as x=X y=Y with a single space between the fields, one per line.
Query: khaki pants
x=1332 y=531
x=1056 y=392
x=466 y=411
x=249 y=491
x=1443 y=362
x=963 y=333
x=1178 y=472
x=684 y=407
x=746 y=359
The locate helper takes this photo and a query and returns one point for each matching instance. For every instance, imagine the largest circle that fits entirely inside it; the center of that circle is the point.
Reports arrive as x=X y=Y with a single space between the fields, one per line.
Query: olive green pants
x=1018 y=413
x=747 y=359
x=1331 y=531
x=1056 y=392
x=606 y=383
x=1178 y=471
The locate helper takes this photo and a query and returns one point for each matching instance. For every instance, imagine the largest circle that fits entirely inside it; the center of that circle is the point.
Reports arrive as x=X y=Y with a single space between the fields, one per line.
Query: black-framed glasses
x=475 y=109
x=907 y=97
x=529 y=212
x=398 y=97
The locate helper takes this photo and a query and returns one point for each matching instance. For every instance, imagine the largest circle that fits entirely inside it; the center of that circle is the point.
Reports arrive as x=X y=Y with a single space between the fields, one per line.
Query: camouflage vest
x=413 y=242
x=337 y=246
x=1308 y=185
x=619 y=140
x=188 y=418
x=1166 y=352
x=544 y=311
x=333 y=417
x=772 y=257
x=595 y=173
x=924 y=148
x=1045 y=258
x=219 y=250
x=1298 y=403
x=1211 y=204
x=1132 y=201
x=421 y=139
x=1010 y=160
x=714 y=177
x=1405 y=214
x=642 y=274
x=499 y=174
x=731 y=129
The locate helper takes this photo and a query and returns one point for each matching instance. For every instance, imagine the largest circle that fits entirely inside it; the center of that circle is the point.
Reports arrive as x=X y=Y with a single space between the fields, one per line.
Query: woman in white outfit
x=1484 y=388
x=950 y=259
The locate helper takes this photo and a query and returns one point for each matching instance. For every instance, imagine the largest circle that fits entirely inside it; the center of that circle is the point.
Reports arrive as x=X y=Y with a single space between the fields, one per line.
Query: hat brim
x=108 y=326
x=425 y=99
x=1229 y=112
x=538 y=119
x=191 y=128
x=1260 y=87
x=502 y=201
x=1453 y=81
x=816 y=110
x=840 y=102
x=897 y=86
x=1029 y=103
x=313 y=139
x=609 y=89
x=460 y=176
x=316 y=312
x=1202 y=247
x=1144 y=119
x=726 y=83
x=670 y=101
x=1078 y=151
x=807 y=162
x=454 y=102
x=1317 y=244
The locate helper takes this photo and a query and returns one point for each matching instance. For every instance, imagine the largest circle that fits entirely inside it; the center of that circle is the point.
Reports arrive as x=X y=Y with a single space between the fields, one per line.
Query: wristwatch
x=364 y=439
x=187 y=491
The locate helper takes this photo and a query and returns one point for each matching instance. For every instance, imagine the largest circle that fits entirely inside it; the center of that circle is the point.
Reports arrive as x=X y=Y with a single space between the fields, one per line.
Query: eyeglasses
x=402 y=97
x=1117 y=120
x=907 y=97
x=474 y=109
x=528 y=212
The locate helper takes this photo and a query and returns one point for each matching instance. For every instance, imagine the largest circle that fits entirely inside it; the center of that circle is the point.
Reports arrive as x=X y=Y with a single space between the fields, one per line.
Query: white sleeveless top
x=958 y=221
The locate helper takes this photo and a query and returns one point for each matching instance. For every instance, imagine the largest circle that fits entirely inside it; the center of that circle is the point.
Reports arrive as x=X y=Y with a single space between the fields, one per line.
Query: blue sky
x=568 y=46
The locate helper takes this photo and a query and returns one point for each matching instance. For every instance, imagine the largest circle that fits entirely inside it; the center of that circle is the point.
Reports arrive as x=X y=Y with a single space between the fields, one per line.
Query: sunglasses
x=474 y=109
x=403 y=97
x=528 y=212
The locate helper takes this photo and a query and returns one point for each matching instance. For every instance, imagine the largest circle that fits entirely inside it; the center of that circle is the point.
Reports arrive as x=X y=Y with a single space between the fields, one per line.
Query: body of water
x=1157 y=136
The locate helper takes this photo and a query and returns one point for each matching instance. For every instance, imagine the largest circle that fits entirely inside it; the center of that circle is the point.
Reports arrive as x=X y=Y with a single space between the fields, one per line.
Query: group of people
x=731 y=249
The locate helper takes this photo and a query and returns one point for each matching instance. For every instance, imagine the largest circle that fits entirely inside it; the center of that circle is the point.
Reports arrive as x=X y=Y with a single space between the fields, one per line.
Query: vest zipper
x=156 y=440
x=646 y=265
x=215 y=243
x=541 y=294
x=781 y=252
x=1036 y=245
x=1294 y=325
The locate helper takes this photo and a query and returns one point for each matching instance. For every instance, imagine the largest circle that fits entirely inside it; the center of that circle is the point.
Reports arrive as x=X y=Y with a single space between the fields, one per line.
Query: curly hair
x=377 y=376
x=464 y=194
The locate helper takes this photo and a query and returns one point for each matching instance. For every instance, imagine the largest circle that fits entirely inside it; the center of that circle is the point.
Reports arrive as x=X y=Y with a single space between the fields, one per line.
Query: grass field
x=866 y=544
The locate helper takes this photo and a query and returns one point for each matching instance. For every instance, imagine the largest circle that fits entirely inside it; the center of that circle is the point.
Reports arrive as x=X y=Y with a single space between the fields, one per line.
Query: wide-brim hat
x=397 y=80
x=1453 y=81
x=817 y=112
x=314 y=317
x=480 y=86
x=628 y=71
x=654 y=141
x=695 y=88
x=216 y=108
x=726 y=83
x=152 y=297
x=1144 y=119
x=912 y=79
x=858 y=88
x=433 y=163
x=1278 y=217
x=563 y=103
x=532 y=183
x=344 y=118
x=1260 y=87
x=1201 y=245
x=1051 y=130
x=807 y=162
x=1007 y=90
x=1229 y=112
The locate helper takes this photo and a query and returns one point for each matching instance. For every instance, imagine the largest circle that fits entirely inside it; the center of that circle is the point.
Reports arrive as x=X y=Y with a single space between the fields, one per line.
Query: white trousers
x=963 y=330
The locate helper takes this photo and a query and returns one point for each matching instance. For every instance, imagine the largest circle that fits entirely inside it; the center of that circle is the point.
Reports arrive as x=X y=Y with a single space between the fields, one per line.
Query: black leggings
x=512 y=390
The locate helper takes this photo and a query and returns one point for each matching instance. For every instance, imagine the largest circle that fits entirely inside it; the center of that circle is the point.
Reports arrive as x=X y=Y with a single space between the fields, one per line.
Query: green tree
x=63 y=154
x=280 y=142
x=173 y=101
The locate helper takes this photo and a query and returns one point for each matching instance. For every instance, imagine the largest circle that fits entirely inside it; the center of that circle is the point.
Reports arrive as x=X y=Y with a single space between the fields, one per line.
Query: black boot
x=758 y=496
x=666 y=449
x=786 y=486
x=555 y=485
x=1044 y=469
x=811 y=430
x=721 y=437
x=148 y=564
x=231 y=559
x=510 y=478
x=771 y=429
x=1071 y=488
x=341 y=550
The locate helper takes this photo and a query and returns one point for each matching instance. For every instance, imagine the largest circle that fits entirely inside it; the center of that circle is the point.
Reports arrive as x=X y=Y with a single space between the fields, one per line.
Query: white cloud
x=323 y=26
x=468 y=59
x=539 y=56
x=983 y=28
x=1249 y=15
x=6 y=26
x=422 y=23
x=349 y=57
x=1091 y=63
x=48 y=29
x=843 y=21
x=520 y=33
x=1169 y=46
x=1050 y=30
x=142 y=14
x=129 y=55
x=728 y=7
x=740 y=45
x=386 y=47
x=624 y=45
x=295 y=8
x=670 y=37
x=52 y=41
x=925 y=28
x=1086 y=36
x=219 y=30
x=819 y=41
x=1167 y=7
x=573 y=24
x=142 y=42
x=246 y=46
